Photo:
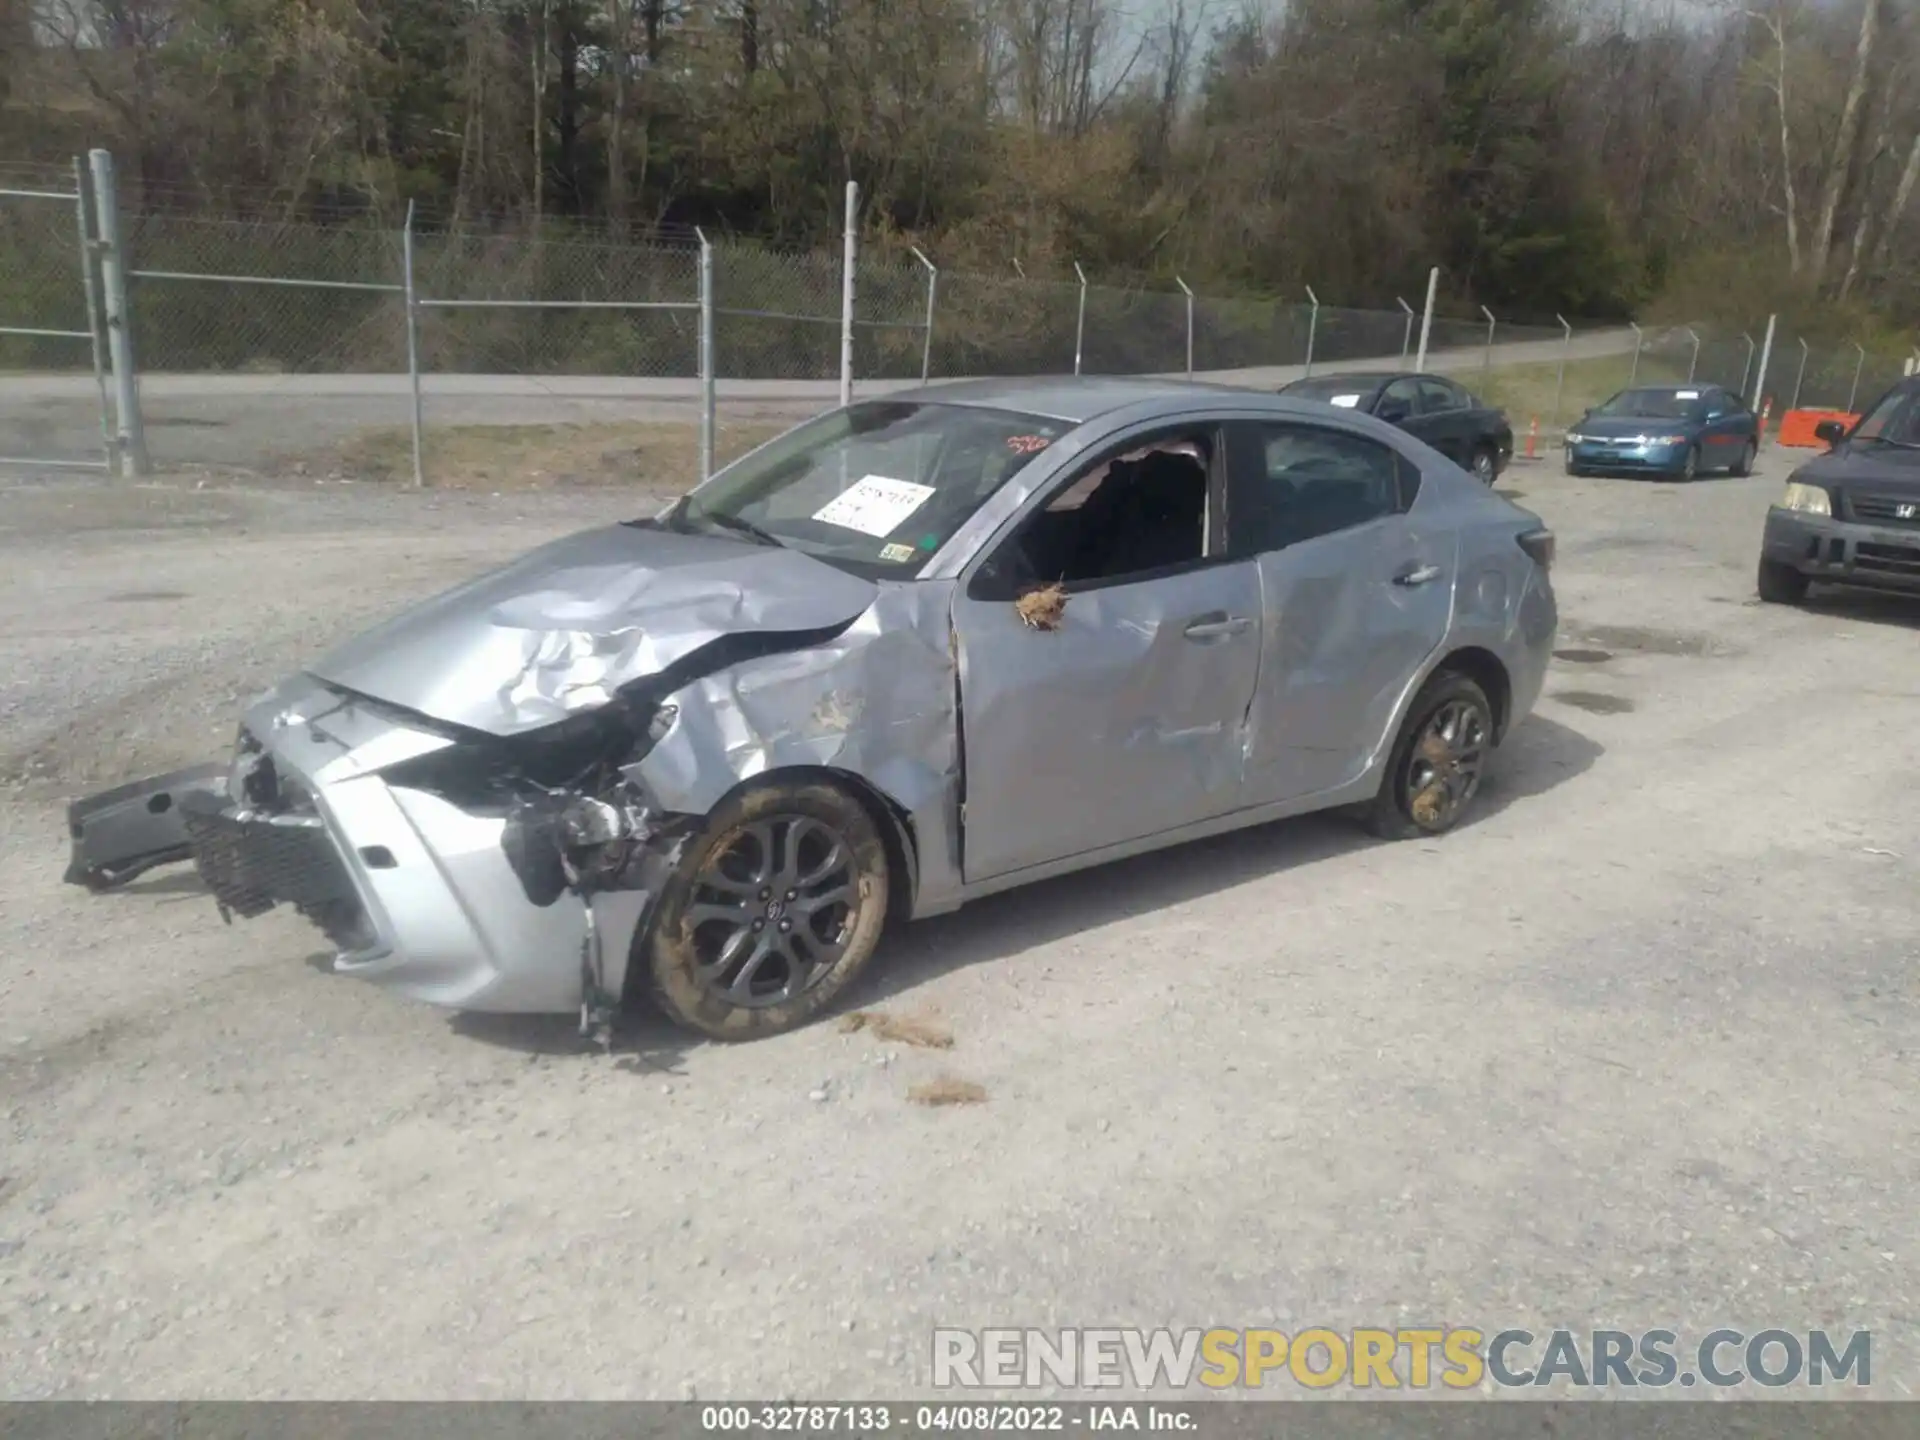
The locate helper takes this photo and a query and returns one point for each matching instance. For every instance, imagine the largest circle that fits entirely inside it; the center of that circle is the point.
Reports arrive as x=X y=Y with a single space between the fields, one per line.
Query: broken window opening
x=1145 y=510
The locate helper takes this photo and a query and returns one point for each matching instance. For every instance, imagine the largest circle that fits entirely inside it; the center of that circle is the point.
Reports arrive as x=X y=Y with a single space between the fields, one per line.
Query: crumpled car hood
x=561 y=629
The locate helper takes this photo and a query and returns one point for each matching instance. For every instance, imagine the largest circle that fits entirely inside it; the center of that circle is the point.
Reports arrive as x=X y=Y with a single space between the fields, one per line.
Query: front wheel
x=1437 y=762
x=1690 y=467
x=773 y=910
x=1485 y=468
x=1780 y=584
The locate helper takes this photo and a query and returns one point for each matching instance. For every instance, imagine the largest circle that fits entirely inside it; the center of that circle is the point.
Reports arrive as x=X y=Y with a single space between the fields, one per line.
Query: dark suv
x=1852 y=515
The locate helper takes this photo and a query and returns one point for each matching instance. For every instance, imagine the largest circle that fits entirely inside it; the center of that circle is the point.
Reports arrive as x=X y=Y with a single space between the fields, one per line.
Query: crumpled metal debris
x=561 y=629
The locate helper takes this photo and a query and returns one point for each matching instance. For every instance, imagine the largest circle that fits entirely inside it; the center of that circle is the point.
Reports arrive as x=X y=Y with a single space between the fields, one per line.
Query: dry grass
x=912 y=1030
x=947 y=1090
x=1043 y=609
x=658 y=456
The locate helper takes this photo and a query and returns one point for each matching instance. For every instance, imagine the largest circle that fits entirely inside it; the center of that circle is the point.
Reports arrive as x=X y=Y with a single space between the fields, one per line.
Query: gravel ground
x=1635 y=1048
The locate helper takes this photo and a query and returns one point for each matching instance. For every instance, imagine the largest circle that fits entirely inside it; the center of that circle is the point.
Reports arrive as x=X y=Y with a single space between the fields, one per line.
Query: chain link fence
x=49 y=321
x=372 y=349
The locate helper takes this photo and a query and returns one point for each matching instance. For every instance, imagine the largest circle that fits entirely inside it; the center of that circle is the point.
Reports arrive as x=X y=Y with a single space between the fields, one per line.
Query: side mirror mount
x=1831 y=432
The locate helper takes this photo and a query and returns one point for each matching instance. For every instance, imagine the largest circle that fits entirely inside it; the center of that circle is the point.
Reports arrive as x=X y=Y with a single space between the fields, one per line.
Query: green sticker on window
x=929 y=542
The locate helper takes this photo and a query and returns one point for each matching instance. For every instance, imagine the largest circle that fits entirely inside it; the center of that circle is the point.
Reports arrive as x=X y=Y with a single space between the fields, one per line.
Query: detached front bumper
x=1843 y=552
x=1627 y=458
x=416 y=892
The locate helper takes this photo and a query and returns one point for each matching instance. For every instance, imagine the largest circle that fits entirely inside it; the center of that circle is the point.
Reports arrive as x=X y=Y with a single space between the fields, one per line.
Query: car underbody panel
x=120 y=834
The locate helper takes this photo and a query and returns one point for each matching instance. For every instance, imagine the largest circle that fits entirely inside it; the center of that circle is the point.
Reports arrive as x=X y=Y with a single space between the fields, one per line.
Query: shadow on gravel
x=1866 y=606
x=1541 y=755
x=643 y=1043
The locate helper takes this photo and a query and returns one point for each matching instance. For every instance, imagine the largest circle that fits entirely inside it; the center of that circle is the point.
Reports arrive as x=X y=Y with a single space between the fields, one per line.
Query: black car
x=1852 y=515
x=1471 y=434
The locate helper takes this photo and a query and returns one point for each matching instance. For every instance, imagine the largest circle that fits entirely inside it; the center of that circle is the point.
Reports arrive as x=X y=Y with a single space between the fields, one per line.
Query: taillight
x=1539 y=545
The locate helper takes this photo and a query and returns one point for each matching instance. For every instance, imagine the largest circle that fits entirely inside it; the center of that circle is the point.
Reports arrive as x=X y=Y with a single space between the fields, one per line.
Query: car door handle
x=1208 y=627
x=1418 y=576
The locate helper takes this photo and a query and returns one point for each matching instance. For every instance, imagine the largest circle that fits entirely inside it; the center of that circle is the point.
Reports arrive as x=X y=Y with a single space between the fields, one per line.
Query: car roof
x=1073 y=398
x=1359 y=379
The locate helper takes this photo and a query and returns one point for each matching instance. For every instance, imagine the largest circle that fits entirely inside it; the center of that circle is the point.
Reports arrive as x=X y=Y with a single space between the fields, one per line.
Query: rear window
x=1348 y=394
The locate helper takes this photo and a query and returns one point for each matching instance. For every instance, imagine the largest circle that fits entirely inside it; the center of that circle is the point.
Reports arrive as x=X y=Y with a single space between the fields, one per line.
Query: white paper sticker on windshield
x=1345 y=402
x=1686 y=394
x=875 y=505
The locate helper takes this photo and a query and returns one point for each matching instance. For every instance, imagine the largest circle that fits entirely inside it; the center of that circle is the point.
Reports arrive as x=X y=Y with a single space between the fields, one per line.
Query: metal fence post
x=849 y=259
x=1801 y=378
x=933 y=287
x=709 y=361
x=413 y=346
x=1406 y=339
x=1746 y=367
x=1766 y=354
x=1426 y=318
x=98 y=345
x=1560 y=383
x=1486 y=370
x=1859 y=365
x=1313 y=324
x=131 y=439
x=1694 y=363
x=1080 y=321
x=1639 y=338
x=1184 y=290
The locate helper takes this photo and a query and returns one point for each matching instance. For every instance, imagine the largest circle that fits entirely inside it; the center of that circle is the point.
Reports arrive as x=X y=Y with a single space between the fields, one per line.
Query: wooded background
x=1588 y=159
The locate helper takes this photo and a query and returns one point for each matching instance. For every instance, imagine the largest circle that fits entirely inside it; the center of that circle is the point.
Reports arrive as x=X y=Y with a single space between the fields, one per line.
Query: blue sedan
x=1676 y=431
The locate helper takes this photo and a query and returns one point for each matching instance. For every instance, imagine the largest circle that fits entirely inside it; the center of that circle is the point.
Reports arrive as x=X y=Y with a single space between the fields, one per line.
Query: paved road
x=249 y=420
x=1634 y=1049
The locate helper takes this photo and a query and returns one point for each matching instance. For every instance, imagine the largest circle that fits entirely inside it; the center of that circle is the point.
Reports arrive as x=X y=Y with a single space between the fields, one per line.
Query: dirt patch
x=130 y=597
x=1512 y=494
x=1645 y=641
x=1594 y=702
x=1583 y=657
x=1042 y=609
x=661 y=456
x=915 y=1030
x=947 y=1090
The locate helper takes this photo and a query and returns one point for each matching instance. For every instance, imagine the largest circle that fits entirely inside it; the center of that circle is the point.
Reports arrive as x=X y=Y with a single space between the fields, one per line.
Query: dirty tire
x=1781 y=584
x=1573 y=469
x=1743 y=467
x=1690 y=467
x=1398 y=812
x=708 y=879
x=1485 y=468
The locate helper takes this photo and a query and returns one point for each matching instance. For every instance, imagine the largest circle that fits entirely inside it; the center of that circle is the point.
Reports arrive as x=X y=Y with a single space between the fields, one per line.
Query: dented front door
x=1123 y=722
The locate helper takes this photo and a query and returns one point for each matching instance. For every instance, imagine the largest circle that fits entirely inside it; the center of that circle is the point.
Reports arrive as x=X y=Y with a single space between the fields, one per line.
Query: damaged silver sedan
x=915 y=651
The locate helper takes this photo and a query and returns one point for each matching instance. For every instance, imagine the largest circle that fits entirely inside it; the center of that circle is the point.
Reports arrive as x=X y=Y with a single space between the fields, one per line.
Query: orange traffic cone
x=1533 y=435
x=1766 y=413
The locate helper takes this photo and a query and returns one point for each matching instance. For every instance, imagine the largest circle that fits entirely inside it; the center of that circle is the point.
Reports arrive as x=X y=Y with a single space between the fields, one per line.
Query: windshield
x=1348 y=392
x=1655 y=405
x=1894 y=421
x=875 y=488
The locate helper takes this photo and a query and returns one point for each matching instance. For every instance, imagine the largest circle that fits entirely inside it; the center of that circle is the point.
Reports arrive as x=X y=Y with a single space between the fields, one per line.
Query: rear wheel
x=773 y=910
x=1780 y=584
x=1743 y=467
x=1437 y=762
